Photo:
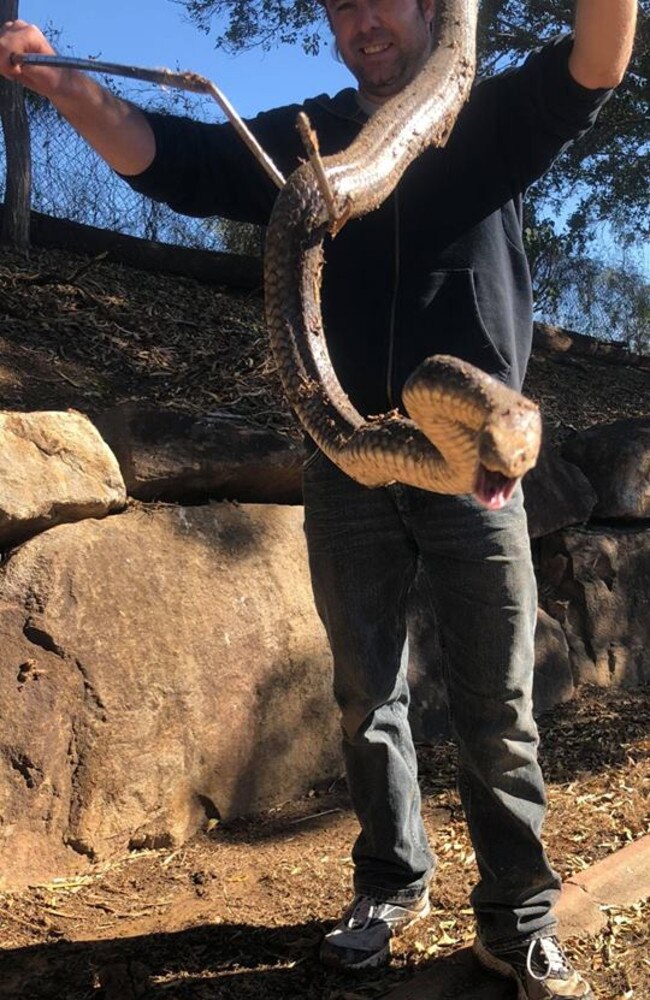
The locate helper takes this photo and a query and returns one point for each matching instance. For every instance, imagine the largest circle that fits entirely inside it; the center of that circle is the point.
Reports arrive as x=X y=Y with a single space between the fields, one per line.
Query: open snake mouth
x=493 y=489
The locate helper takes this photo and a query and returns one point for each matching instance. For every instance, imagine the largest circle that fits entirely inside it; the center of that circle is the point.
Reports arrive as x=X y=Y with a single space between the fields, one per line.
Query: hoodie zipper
x=393 y=308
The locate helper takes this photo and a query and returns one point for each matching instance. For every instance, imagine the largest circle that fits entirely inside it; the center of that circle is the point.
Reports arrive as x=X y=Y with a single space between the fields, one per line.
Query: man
x=439 y=268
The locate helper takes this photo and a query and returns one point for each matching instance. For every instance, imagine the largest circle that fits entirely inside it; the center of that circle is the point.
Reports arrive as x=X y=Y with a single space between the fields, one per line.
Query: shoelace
x=553 y=955
x=362 y=914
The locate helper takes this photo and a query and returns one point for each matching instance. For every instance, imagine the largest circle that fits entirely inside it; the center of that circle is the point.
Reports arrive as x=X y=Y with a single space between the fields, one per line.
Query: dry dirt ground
x=239 y=911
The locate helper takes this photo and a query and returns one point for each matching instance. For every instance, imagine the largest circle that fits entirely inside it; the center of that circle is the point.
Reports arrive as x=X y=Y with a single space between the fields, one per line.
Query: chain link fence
x=70 y=181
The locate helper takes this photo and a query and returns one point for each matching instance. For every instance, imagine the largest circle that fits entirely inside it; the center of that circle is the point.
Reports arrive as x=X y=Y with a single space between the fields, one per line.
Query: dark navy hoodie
x=440 y=267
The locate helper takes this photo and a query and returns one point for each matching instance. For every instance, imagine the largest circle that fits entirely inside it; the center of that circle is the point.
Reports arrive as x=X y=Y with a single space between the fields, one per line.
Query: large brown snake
x=468 y=432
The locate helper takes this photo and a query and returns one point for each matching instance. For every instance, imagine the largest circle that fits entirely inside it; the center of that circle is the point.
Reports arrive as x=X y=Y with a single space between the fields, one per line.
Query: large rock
x=616 y=460
x=54 y=468
x=553 y=678
x=596 y=584
x=557 y=494
x=156 y=668
x=167 y=455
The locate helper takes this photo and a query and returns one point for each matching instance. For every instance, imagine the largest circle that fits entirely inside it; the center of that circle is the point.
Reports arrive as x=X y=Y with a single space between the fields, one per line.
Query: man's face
x=384 y=43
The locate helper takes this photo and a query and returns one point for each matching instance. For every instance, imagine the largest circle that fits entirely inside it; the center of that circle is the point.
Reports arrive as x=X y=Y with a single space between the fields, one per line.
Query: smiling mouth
x=377 y=49
x=493 y=489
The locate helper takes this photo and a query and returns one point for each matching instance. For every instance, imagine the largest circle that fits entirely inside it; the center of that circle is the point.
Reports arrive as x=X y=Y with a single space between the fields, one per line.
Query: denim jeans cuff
x=505 y=944
x=399 y=896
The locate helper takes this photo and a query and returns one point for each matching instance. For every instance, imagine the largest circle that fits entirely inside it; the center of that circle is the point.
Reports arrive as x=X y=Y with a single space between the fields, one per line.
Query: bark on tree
x=15 y=128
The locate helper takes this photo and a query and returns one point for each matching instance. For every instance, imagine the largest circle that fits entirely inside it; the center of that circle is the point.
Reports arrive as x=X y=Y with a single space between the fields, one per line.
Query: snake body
x=467 y=433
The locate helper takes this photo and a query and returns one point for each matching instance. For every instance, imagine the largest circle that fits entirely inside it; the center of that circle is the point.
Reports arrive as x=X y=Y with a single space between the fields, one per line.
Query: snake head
x=508 y=446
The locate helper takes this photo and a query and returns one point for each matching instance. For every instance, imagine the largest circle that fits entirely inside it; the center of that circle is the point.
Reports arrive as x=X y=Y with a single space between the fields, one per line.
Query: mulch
x=89 y=334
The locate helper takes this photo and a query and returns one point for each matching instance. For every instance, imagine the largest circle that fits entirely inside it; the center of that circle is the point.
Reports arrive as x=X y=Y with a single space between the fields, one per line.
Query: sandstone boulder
x=553 y=678
x=54 y=468
x=596 y=584
x=167 y=455
x=556 y=494
x=615 y=458
x=156 y=668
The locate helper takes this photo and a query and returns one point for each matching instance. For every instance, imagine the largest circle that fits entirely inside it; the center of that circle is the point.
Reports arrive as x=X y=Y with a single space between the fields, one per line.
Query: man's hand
x=19 y=37
x=116 y=129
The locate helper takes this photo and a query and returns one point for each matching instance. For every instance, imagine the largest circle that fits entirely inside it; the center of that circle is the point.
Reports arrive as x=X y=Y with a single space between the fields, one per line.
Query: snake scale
x=467 y=433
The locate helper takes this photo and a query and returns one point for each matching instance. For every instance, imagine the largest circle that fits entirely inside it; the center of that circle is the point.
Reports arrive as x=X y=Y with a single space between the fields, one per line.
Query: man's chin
x=381 y=82
x=378 y=91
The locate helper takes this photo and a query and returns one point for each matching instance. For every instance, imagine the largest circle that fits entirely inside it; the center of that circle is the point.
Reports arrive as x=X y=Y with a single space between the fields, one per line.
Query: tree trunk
x=15 y=128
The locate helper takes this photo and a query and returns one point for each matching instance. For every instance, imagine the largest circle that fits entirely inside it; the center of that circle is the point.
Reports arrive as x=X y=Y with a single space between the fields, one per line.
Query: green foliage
x=593 y=296
x=605 y=175
x=609 y=298
x=546 y=250
x=262 y=22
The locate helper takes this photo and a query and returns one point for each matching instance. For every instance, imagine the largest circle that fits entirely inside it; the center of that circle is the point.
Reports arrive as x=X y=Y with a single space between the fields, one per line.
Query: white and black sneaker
x=361 y=939
x=539 y=967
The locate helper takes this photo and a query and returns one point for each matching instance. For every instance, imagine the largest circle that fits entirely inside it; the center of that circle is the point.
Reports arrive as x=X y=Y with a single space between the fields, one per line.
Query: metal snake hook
x=167 y=78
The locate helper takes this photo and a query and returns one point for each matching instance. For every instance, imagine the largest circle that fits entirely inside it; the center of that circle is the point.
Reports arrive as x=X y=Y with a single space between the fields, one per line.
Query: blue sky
x=159 y=33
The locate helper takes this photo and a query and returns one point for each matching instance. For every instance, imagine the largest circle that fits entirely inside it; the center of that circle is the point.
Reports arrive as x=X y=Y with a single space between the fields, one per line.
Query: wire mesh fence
x=70 y=181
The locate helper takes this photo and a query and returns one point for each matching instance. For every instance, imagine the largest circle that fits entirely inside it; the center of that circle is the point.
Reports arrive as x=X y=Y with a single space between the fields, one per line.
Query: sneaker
x=539 y=967
x=361 y=939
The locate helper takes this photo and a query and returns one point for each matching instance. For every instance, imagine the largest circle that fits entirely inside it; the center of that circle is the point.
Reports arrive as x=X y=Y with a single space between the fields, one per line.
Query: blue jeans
x=364 y=548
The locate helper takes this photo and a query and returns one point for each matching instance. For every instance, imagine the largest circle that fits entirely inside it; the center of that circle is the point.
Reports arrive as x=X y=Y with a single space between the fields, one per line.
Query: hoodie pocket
x=451 y=323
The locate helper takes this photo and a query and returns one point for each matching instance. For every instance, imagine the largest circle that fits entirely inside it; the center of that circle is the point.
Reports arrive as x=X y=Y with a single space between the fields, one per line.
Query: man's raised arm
x=604 y=34
x=115 y=128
